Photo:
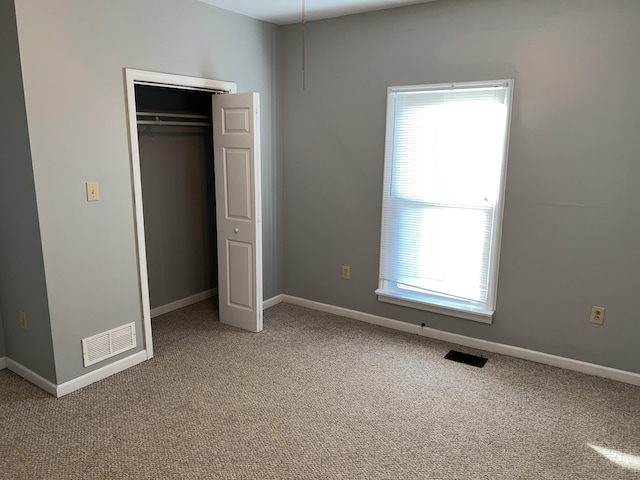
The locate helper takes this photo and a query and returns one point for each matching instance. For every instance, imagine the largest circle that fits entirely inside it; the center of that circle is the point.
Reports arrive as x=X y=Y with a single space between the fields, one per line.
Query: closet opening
x=175 y=143
x=195 y=164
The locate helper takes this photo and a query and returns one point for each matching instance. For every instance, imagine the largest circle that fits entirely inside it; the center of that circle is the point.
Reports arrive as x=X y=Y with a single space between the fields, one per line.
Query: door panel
x=237 y=165
x=240 y=274
x=236 y=121
x=236 y=143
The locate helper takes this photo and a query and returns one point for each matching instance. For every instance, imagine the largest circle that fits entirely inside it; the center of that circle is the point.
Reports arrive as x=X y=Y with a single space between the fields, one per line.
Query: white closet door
x=236 y=140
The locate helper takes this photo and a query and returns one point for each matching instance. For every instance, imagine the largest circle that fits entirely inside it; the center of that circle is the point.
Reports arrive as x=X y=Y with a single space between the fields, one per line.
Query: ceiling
x=283 y=12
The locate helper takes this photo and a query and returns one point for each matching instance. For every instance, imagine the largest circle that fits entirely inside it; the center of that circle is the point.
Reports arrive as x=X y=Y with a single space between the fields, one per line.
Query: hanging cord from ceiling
x=304 y=31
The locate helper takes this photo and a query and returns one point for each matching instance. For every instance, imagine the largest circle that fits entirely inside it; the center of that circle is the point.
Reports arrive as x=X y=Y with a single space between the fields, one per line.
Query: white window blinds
x=444 y=173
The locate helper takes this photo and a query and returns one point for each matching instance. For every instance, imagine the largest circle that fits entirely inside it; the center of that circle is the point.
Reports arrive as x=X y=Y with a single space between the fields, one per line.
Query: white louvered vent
x=107 y=344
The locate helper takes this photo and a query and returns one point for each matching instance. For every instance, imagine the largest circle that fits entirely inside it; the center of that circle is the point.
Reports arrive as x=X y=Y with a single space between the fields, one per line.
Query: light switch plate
x=93 y=195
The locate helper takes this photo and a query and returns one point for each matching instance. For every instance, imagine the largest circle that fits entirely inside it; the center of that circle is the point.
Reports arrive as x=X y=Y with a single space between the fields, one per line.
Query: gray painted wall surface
x=73 y=54
x=22 y=284
x=3 y=351
x=178 y=214
x=571 y=231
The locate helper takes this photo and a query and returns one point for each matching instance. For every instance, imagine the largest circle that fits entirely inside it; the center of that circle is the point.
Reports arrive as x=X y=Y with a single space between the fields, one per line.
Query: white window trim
x=467 y=313
x=436 y=304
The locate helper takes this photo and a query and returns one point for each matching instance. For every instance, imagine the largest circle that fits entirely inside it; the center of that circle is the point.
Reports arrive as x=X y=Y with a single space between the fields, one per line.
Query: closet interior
x=176 y=161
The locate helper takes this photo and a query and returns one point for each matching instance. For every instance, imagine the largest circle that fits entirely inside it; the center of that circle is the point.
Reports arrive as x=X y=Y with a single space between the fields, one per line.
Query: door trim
x=133 y=77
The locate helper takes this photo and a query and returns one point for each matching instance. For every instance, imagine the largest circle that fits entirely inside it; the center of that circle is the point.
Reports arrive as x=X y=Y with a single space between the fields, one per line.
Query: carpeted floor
x=316 y=396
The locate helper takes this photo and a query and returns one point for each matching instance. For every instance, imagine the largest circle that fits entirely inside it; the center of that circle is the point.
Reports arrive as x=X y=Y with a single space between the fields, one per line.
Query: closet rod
x=170 y=115
x=161 y=123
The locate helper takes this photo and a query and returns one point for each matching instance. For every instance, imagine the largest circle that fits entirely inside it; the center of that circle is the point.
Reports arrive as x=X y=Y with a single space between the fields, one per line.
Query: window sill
x=442 y=307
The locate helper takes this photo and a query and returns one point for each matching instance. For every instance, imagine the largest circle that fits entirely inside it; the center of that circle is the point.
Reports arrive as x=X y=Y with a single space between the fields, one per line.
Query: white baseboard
x=76 y=383
x=3 y=363
x=100 y=374
x=184 y=302
x=272 y=302
x=32 y=377
x=532 y=355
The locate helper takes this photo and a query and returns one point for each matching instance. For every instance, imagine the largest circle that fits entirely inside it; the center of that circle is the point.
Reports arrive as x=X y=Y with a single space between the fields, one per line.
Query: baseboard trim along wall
x=184 y=302
x=32 y=377
x=503 y=349
x=3 y=363
x=500 y=348
x=272 y=302
x=76 y=383
x=100 y=374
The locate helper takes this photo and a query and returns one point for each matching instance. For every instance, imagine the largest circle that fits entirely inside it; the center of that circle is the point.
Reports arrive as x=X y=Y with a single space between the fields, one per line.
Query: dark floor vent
x=467 y=358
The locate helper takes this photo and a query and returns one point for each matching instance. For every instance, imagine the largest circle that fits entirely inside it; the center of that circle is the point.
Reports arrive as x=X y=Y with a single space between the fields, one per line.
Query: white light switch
x=93 y=195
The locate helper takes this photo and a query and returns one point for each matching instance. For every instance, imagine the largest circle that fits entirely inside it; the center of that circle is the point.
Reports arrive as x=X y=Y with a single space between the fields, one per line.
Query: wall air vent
x=107 y=344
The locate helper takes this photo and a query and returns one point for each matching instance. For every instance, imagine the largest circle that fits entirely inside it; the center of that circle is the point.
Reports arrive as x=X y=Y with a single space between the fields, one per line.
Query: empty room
x=320 y=239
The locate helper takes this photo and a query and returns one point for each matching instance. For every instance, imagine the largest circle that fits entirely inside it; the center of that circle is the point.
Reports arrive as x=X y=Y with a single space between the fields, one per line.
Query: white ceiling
x=284 y=12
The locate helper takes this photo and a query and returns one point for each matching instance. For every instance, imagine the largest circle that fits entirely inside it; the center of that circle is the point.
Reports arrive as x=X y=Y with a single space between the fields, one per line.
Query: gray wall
x=179 y=218
x=2 y=347
x=73 y=54
x=22 y=284
x=571 y=230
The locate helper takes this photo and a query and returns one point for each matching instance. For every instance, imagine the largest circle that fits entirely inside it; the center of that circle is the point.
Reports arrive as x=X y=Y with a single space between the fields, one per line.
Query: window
x=445 y=165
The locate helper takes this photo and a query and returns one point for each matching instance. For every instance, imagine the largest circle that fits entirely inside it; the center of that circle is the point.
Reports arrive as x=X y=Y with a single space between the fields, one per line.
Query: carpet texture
x=317 y=396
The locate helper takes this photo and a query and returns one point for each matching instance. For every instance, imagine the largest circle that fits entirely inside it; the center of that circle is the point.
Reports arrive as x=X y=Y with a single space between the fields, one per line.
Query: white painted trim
x=185 y=302
x=3 y=363
x=500 y=348
x=133 y=76
x=397 y=298
x=179 y=81
x=32 y=377
x=272 y=302
x=100 y=374
x=76 y=383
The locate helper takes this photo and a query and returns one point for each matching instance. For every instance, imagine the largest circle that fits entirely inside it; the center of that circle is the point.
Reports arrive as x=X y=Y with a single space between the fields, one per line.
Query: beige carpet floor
x=317 y=396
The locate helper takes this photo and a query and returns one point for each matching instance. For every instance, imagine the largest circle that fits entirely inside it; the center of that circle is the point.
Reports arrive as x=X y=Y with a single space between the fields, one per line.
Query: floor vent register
x=467 y=358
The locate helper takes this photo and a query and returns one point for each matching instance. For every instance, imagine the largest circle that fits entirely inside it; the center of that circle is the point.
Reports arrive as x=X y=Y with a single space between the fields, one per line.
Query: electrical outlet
x=23 y=320
x=93 y=195
x=597 y=315
x=346 y=272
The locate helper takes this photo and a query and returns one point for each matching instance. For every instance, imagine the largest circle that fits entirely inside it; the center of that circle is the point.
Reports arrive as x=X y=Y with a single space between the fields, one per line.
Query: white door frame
x=133 y=77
